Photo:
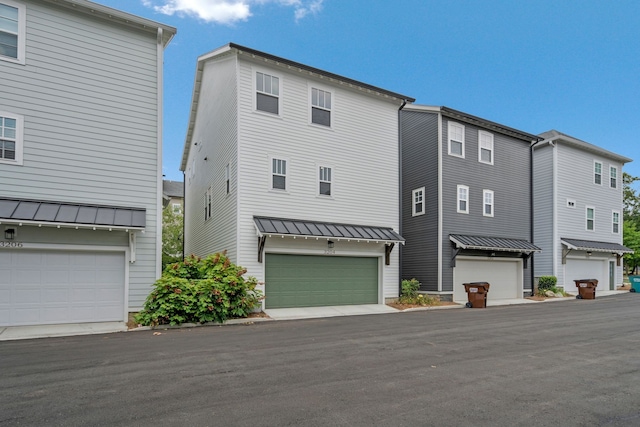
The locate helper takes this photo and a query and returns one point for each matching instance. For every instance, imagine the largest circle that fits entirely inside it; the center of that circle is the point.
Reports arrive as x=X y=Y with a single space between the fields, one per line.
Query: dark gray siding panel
x=419 y=142
x=508 y=177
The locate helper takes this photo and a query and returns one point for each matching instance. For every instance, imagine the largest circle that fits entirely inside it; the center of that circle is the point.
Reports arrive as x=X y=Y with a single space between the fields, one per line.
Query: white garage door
x=504 y=276
x=50 y=287
x=576 y=269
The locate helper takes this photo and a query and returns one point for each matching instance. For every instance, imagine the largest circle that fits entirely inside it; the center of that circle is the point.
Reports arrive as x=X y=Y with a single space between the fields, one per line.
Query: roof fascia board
x=586 y=146
x=71 y=225
x=497 y=127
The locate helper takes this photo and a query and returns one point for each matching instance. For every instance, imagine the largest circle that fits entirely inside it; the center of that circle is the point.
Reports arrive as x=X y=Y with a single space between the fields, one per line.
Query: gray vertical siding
x=419 y=139
x=508 y=177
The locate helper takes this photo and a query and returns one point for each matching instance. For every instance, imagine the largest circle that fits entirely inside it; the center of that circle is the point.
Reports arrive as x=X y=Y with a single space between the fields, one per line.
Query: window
x=463 y=199
x=485 y=147
x=278 y=174
x=591 y=218
x=324 y=180
x=613 y=177
x=597 y=173
x=208 y=201
x=268 y=92
x=227 y=179
x=11 y=138
x=456 y=139
x=487 y=204
x=417 y=196
x=177 y=207
x=571 y=203
x=615 y=221
x=320 y=107
x=12 y=31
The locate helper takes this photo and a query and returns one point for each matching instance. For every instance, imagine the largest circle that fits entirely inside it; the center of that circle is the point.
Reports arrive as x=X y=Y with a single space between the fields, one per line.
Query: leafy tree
x=632 y=241
x=172 y=236
x=631 y=199
x=631 y=228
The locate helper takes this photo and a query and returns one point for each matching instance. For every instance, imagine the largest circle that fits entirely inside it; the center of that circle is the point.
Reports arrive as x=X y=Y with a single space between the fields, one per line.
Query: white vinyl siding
x=597 y=173
x=485 y=147
x=613 y=177
x=324 y=181
x=11 y=139
x=590 y=218
x=456 y=139
x=487 y=203
x=615 y=222
x=463 y=199
x=417 y=197
x=12 y=31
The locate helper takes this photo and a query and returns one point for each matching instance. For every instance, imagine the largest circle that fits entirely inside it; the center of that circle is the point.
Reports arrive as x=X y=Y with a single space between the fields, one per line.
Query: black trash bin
x=476 y=294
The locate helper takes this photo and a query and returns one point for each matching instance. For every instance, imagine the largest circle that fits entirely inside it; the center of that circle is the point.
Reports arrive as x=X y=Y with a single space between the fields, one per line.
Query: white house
x=577 y=191
x=80 y=161
x=294 y=171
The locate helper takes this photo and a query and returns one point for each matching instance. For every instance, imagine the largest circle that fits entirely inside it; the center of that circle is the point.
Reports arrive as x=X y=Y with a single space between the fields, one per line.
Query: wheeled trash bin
x=635 y=283
x=476 y=294
x=586 y=288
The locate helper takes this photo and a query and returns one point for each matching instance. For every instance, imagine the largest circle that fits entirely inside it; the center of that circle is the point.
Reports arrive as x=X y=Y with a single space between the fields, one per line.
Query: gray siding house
x=578 y=193
x=80 y=161
x=294 y=171
x=466 y=203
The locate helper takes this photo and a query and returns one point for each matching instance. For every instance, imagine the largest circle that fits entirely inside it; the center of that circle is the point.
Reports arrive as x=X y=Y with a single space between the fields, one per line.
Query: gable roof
x=476 y=121
x=232 y=48
x=118 y=16
x=173 y=188
x=555 y=136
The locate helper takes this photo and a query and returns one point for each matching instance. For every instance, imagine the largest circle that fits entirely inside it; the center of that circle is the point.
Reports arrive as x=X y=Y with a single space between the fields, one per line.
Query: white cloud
x=229 y=11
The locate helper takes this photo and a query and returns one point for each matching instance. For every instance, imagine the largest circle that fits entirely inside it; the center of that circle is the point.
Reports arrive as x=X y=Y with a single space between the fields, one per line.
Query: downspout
x=184 y=211
x=159 y=118
x=404 y=102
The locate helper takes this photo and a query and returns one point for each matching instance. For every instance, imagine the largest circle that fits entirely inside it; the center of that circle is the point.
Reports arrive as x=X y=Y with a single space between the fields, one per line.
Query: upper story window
x=12 y=31
x=177 y=208
x=487 y=204
x=615 y=222
x=227 y=179
x=417 y=205
x=320 y=107
x=267 y=93
x=11 y=138
x=485 y=147
x=278 y=174
x=613 y=177
x=324 y=181
x=463 y=199
x=591 y=218
x=456 y=139
x=597 y=173
x=208 y=202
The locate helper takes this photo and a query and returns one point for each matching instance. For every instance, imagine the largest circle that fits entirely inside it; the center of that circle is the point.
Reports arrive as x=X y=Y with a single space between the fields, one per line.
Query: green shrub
x=200 y=290
x=410 y=288
x=547 y=283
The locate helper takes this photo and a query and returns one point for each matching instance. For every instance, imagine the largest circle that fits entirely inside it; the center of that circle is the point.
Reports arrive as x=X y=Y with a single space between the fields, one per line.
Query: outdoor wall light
x=330 y=244
x=9 y=233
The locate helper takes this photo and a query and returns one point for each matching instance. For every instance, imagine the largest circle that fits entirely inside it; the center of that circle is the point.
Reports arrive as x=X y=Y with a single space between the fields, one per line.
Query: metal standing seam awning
x=491 y=244
x=593 y=246
x=44 y=213
x=282 y=227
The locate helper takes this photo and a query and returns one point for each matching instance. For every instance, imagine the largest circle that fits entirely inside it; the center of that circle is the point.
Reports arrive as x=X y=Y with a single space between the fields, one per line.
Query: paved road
x=569 y=363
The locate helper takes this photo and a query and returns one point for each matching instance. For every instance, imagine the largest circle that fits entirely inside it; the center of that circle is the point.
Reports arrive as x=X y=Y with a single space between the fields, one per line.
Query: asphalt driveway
x=566 y=363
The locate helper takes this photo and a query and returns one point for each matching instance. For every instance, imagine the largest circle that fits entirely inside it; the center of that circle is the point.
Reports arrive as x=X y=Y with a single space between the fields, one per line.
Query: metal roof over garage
x=328 y=230
x=487 y=243
x=49 y=213
x=593 y=246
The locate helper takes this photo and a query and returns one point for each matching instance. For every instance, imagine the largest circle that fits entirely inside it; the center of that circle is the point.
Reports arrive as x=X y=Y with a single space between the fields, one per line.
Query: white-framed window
x=417 y=202
x=12 y=31
x=615 y=222
x=324 y=181
x=591 y=218
x=321 y=107
x=485 y=147
x=177 y=207
x=571 y=203
x=278 y=174
x=463 y=199
x=455 y=133
x=267 y=93
x=227 y=179
x=11 y=140
x=597 y=173
x=487 y=202
x=613 y=177
x=208 y=202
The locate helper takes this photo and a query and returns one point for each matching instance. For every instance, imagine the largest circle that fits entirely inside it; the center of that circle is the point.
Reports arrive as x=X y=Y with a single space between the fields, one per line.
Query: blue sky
x=568 y=65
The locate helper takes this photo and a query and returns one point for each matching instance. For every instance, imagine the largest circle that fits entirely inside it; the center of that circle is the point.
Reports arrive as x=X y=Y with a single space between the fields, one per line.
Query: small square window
x=456 y=139
x=278 y=174
x=463 y=199
x=417 y=205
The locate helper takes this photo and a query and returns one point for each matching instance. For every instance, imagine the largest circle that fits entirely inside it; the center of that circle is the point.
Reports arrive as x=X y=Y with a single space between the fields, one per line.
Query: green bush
x=410 y=288
x=547 y=283
x=200 y=290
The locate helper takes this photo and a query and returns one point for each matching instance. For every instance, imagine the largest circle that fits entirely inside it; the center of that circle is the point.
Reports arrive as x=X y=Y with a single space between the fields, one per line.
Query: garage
x=503 y=274
x=53 y=287
x=312 y=281
x=576 y=269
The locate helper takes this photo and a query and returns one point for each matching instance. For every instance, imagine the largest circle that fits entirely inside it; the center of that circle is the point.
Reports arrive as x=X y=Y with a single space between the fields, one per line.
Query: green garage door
x=307 y=281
